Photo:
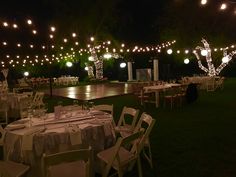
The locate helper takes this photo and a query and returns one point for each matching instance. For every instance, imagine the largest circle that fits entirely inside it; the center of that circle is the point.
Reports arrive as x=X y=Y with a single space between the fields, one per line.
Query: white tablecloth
x=75 y=129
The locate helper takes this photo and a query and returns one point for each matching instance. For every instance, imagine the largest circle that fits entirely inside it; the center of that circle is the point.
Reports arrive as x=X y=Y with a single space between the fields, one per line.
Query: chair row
x=126 y=127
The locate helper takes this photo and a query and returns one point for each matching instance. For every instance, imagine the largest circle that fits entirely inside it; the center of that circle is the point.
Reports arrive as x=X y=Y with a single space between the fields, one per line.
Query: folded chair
x=146 y=123
x=119 y=157
x=13 y=169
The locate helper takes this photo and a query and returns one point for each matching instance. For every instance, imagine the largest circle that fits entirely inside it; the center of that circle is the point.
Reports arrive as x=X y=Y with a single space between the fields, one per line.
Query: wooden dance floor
x=91 y=92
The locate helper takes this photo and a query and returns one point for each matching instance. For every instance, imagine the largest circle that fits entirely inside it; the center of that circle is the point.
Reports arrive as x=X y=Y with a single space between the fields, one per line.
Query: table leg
x=157 y=98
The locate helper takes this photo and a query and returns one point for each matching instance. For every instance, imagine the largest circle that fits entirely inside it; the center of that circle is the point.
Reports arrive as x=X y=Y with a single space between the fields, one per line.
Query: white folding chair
x=146 y=122
x=24 y=104
x=119 y=157
x=13 y=169
x=28 y=94
x=9 y=168
x=210 y=83
x=38 y=99
x=75 y=163
x=124 y=123
x=219 y=83
x=2 y=135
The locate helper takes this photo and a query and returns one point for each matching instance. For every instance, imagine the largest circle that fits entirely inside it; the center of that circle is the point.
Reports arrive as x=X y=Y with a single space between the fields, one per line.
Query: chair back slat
x=85 y=155
x=148 y=120
x=131 y=112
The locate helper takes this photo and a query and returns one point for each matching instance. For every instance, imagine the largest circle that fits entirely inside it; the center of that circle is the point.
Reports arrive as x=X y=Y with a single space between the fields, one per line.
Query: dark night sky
x=133 y=21
x=143 y=21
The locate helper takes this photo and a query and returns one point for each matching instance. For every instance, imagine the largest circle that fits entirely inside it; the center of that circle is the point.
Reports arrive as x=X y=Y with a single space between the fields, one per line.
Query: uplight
x=123 y=65
x=169 y=51
x=69 y=64
x=26 y=73
x=186 y=61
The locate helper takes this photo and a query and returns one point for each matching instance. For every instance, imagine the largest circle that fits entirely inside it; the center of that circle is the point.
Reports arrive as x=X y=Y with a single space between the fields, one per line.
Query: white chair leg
x=140 y=173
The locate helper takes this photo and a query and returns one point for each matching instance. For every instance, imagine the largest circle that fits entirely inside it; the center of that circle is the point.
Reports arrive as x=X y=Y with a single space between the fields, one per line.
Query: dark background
x=136 y=22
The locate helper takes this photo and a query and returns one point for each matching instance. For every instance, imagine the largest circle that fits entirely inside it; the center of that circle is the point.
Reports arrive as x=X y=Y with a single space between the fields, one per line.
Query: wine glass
x=44 y=113
x=30 y=115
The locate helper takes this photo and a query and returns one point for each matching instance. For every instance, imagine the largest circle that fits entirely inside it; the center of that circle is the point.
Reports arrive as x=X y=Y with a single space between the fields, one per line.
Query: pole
x=156 y=69
x=130 y=71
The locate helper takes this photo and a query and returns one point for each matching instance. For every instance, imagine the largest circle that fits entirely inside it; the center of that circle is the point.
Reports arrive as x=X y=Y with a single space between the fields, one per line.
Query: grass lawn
x=196 y=140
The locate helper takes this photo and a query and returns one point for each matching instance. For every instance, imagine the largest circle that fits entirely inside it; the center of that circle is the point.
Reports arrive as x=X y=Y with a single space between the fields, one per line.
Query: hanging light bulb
x=223 y=6
x=29 y=22
x=53 y=29
x=203 y=2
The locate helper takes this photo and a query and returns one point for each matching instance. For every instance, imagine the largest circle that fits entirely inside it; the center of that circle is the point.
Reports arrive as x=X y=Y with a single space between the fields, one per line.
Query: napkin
x=11 y=127
x=27 y=140
x=75 y=134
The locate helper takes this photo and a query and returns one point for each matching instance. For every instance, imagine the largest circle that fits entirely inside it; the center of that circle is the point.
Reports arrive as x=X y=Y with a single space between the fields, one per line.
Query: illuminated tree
x=206 y=52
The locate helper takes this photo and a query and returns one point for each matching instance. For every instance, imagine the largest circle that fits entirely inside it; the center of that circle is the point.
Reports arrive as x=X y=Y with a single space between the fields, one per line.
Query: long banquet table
x=25 y=141
x=159 y=88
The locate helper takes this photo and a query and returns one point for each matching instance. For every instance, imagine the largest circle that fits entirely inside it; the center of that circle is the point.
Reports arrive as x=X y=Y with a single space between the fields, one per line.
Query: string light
x=15 y=26
x=92 y=39
x=223 y=6
x=29 y=22
x=73 y=34
x=5 y=24
x=99 y=49
x=203 y=2
x=53 y=29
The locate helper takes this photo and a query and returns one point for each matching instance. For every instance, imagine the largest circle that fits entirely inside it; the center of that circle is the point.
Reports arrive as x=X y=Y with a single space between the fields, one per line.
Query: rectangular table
x=158 y=88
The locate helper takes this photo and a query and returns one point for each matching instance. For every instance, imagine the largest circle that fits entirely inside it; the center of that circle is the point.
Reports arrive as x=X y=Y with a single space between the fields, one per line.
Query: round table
x=27 y=139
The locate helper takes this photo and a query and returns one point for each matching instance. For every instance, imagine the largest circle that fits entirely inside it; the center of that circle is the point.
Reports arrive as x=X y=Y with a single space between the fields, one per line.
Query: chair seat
x=124 y=156
x=71 y=169
x=126 y=128
x=13 y=169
